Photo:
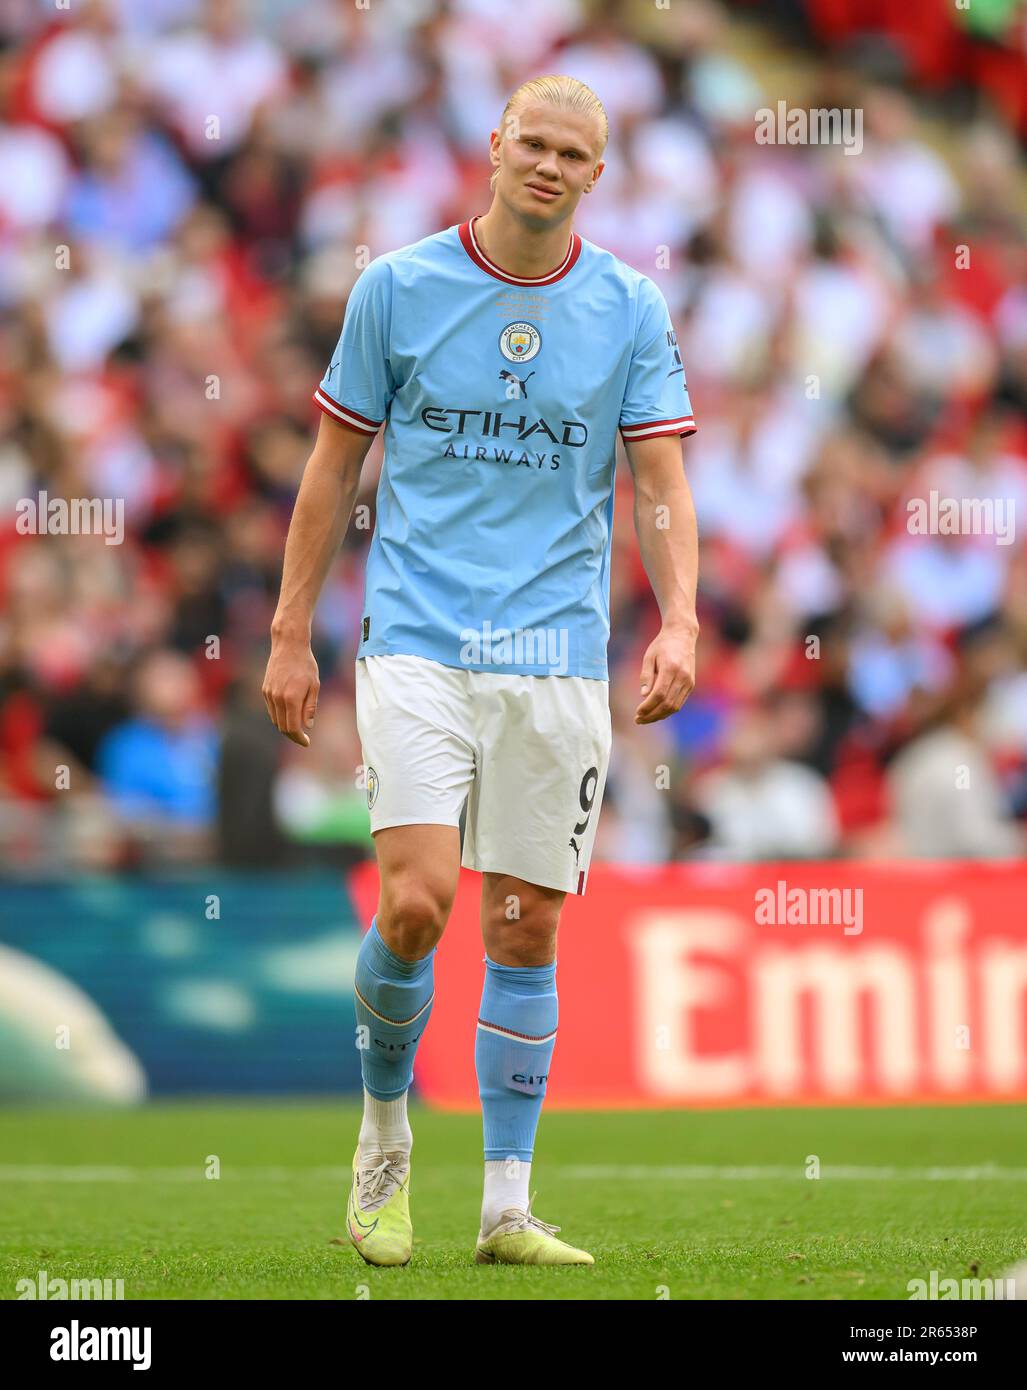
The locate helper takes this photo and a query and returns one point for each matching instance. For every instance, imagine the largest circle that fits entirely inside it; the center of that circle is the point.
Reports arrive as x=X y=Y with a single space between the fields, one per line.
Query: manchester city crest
x=372 y=787
x=520 y=342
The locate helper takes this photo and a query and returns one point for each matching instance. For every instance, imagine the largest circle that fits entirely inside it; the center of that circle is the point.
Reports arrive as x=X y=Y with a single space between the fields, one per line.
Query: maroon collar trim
x=479 y=258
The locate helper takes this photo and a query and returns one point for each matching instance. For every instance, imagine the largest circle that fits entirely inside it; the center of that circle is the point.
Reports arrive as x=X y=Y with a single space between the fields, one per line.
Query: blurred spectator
x=948 y=802
x=158 y=766
x=892 y=657
x=210 y=80
x=131 y=191
x=763 y=806
x=79 y=719
x=248 y=832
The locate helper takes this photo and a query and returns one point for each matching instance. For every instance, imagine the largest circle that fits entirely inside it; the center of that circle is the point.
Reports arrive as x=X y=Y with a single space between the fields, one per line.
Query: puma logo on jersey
x=522 y=386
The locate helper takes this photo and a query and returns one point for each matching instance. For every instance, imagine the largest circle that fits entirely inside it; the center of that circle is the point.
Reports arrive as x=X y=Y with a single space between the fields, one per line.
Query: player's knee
x=526 y=941
x=411 y=918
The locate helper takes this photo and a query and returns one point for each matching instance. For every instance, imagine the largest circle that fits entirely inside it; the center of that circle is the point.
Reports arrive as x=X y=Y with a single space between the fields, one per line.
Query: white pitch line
x=71 y=1173
x=760 y=1173
x=195 y=1173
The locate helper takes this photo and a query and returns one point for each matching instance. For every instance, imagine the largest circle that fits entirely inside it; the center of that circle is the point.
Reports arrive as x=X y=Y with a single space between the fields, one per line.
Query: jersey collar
x=477 y=255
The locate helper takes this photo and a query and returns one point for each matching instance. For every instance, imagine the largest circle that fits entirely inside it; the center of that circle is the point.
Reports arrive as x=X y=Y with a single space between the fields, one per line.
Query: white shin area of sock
x=506 y=1189
x=385 y=1127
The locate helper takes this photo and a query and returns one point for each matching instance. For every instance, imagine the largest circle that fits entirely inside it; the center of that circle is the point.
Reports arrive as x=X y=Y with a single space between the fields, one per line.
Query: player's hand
x=668 y=674
x=291 y=684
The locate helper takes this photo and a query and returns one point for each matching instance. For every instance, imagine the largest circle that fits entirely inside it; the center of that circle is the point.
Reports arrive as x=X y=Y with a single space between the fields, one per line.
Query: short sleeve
x=358 y=386
x=656 y=397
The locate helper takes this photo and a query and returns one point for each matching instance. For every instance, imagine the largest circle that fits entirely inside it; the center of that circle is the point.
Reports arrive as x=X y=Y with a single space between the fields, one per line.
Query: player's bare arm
x=668 y=539
x=320 y=517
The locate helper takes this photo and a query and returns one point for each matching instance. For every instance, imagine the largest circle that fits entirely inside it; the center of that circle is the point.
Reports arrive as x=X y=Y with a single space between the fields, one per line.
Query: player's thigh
x=412 y=718
x=544 y=749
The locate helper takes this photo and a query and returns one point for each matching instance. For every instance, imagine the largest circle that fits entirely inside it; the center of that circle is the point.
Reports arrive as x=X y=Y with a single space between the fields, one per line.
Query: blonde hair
x=562 y=91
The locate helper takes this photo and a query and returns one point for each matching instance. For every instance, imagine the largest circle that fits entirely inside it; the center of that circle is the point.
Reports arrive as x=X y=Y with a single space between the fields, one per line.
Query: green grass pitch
x=685 y=1205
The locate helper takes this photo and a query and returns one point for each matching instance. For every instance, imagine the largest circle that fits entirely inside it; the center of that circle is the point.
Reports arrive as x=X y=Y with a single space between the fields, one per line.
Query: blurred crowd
x=186 y=191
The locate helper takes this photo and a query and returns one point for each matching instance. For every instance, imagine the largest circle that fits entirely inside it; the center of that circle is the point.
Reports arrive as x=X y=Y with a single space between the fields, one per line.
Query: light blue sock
x=513 y=1049
x=393 y=1002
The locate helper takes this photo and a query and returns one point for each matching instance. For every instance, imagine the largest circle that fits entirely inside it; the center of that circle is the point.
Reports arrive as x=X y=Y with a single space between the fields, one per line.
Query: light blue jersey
x=501 y=397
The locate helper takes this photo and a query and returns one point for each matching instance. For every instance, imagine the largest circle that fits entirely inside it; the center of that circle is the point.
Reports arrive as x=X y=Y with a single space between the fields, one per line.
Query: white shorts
x=527 y=753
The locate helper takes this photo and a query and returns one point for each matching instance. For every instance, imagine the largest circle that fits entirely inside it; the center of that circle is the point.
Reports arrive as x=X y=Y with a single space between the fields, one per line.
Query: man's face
x=546 y=158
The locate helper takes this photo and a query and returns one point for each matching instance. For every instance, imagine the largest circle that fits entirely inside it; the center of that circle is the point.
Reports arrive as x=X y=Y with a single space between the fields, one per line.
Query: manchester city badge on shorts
x=372 y=787
x=520 y=342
